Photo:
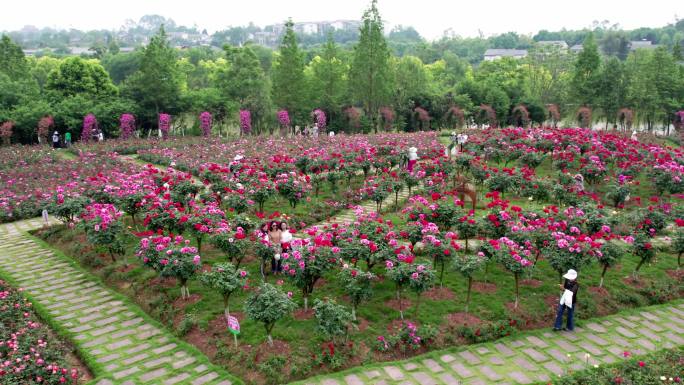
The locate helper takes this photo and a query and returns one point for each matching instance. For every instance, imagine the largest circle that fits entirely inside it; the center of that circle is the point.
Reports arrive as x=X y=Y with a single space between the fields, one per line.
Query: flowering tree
x=284 y=120
x=489 y=114
x=164 y=125
x=171 y=257
x=89 y=127
x=573 y=250
x=320 y=118
x=44 y=126
x=232 y=244
x=206 y=120
x=609 y=255
x=292 y=187
x=466 y=226
x=643 y=249
x=127 y=125
x=514 y=258
x=268 y=305
x=6 y=132
x=584 y=117
x=400 y=274
x=423 y=117
x=554 y=114
x=307 y=263
x=678 y=245
x=522 y=115
x=102 y=226
x=245 y=122
x=420 y=280
x=455 y=117
x=357 y=284
x=467 y=265
x=387 y=117
x=225 y=279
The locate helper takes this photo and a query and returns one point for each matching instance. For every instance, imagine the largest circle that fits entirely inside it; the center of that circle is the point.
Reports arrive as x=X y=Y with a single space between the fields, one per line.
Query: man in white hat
x=567 y=301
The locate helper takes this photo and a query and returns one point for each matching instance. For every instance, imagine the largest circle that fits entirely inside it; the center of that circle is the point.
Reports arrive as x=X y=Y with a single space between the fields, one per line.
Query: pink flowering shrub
x=284 y=118
x=387 y=116
x=164 y=125
x=205 y=119
x=245 y=122
x=44 y=126
x=171 y=257
x=103 y=228
x=29 y=354
x=89 y=127
x=408 y=337
x=319 y=116
x=6 y=132
x=127 y=125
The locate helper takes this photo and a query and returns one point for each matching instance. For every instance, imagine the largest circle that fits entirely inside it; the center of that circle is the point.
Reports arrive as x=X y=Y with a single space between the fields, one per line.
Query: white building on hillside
x=498 y=53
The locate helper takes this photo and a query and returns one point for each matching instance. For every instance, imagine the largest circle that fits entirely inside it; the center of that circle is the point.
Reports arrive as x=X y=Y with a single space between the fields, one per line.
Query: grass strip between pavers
x=418 y=361
x=90 y=360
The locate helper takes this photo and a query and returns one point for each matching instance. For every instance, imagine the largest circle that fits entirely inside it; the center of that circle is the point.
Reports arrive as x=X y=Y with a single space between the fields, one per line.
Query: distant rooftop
x=504 y=52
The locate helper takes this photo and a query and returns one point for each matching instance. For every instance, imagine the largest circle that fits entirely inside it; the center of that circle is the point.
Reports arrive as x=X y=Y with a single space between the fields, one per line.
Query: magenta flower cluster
x=127 y=125
x=89 y=127
x=319 y=115
x=245 y=122
x=206 y=120
x=284 y=118
x=164 y=124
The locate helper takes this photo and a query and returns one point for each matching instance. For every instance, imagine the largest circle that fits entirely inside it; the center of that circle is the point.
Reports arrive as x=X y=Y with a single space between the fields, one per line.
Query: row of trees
x=365 y=88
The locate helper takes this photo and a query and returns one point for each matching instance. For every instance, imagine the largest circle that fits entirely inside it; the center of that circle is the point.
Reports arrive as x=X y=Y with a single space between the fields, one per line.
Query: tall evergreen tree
x=677 y=51
x=328 y=75
x=156 y=86
x=370 y=76
x=612 y=88
x=288 y=74
x=586 y=74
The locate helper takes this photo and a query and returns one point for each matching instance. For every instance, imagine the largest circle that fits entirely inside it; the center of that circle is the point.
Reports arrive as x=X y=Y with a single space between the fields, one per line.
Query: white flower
x=595 y=366
x=662 y=378
x=530 y=198
x=587 y=355
x=230 y=240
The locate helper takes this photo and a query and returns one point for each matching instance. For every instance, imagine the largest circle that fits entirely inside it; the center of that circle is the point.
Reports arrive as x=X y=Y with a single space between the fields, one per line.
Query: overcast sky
x=430 y=17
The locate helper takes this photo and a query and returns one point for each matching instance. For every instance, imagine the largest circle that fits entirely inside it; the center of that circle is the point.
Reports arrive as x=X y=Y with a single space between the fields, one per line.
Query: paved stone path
x=128 y=347
x=530 y=357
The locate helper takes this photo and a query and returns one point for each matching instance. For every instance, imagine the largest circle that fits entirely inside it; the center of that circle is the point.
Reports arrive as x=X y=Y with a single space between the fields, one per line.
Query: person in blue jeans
x=568 y=301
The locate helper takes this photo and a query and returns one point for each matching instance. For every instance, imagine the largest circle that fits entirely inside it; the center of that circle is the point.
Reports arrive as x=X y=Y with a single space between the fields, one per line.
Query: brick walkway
x=127 y=346
x=530 y=357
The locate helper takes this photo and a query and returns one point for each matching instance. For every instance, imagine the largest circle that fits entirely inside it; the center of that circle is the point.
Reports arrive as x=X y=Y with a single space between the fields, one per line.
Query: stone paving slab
x=531 y=357
x=131 y=348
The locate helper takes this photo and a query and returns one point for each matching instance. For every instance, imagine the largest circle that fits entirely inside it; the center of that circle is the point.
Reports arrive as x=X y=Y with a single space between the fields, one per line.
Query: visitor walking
x=274 y=236
x=314 y=130
x=55 y=140
x=67 y=139
x=412 y=158
x=100 y=136
x=568 y=301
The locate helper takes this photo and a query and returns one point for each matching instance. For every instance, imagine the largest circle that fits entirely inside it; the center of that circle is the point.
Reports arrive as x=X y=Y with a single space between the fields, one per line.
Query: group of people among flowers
x=278 y=236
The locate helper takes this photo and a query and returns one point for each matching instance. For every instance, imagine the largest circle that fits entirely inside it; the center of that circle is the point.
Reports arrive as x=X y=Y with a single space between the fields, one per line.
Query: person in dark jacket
x=568 y=301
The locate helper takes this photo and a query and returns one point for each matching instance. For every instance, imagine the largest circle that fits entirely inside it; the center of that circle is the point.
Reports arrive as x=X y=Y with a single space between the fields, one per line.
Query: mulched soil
x=394 y=304
x=484 y=287
x=362 y=324
x=180 y=303
x=300 y=314
x=676 y=274
x=439 y=294
x=462 y=319
x=639 y=284
x=601 y=292
x=531 y=283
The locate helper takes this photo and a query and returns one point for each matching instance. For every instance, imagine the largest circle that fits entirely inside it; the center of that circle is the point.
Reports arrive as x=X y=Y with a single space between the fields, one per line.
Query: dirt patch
x=531 y=282
x=439 y=294
x=362 y=324
x=180 y=303
x=601 y=292
x=637 y=283
x=484 y=287
x=394 y=304
x=462 y=319
x=218 y=326
x=676 y=274
x=202 y=341
x=126 y=269
x=165 y=282
x=265 y=350
x=300 y=314
x=320 y=283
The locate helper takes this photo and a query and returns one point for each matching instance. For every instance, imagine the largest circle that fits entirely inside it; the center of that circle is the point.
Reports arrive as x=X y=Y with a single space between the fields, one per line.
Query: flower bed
x=29 y=353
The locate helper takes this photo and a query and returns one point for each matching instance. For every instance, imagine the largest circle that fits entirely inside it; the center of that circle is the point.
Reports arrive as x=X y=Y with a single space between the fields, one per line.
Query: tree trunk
x=470 y=285
x=603 y=274
x=354 y=312
x=417 y=304
x=517 y=291
x=226 y=310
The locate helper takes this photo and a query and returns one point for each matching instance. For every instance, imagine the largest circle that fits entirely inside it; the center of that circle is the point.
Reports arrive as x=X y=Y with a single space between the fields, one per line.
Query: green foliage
x=586 y=74
x=288 y=75
x=268 y=305
x=357 y=284
x=332 y=320
x=224 y=278
x=76 y=76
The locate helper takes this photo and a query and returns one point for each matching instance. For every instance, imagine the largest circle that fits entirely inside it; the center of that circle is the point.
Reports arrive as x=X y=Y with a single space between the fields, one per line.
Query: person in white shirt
x=412 y=158
x=568 y=301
